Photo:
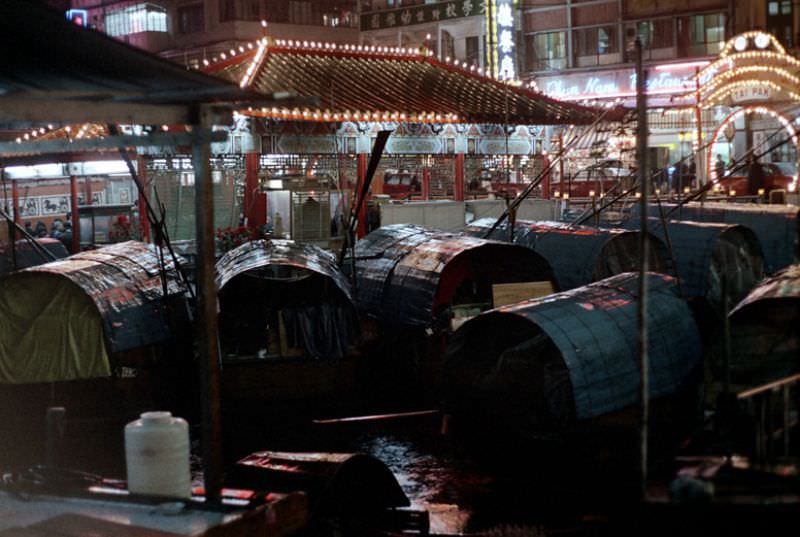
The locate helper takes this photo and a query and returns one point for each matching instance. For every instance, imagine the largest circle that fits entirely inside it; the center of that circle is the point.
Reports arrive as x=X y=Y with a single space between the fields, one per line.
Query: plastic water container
x=157 y=455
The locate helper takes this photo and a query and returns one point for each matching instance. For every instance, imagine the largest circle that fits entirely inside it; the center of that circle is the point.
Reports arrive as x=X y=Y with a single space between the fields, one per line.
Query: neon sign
x=617 y=84
x=501 y=28
x=78 y=16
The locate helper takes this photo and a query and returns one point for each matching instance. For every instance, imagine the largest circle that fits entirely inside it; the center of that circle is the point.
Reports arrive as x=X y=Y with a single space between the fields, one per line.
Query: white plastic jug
x=157 y=455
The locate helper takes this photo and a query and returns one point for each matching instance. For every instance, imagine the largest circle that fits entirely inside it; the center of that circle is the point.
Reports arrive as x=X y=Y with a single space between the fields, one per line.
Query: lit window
x=135 y=19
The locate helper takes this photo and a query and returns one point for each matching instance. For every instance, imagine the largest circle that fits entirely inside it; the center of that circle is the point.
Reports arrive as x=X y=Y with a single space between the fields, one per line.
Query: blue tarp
x=579 y=255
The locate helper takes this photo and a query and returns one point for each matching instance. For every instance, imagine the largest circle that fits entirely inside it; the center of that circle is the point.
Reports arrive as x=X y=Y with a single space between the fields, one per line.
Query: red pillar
x=361 y=230
x=76 y=221
x=255 y=202
x=458 y=187
x=144 y=221
x=547 y=177
x=15 y=200
x=426 y=183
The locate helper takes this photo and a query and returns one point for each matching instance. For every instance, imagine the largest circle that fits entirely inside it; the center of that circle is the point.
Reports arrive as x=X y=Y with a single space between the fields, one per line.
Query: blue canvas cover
x=399 y=269
x=594 y=331
x=579 y=255
x=776 y=226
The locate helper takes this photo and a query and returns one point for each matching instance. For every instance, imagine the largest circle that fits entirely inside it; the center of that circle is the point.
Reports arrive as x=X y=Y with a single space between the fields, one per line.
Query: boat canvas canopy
x=63 y=319
x=407 y=274
x=765 y=341
x=775 y=226
x=579 y=255
x=259 y=254
x=573 y=354
x=706 y=252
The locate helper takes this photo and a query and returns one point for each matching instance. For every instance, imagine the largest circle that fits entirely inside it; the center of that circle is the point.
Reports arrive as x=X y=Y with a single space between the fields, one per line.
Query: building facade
x=190 y=31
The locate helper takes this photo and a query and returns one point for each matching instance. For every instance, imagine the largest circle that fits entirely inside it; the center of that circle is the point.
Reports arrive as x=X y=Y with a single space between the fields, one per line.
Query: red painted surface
x=15 y=198
x=546 y=178
x=458 y=180
x=144 y=221
x=426 y=183
x=76 y=221
x=361 y=230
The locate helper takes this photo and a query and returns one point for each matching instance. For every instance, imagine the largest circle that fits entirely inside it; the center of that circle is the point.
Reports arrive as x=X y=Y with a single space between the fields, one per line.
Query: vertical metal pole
x=208 y=342
x=701 y=173
x=76 y=218
x=642 y=171
x=361 y=170
x=458 y=186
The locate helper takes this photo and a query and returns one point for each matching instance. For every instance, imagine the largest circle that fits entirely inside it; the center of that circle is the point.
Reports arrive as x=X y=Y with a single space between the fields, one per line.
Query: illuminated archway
x=783 y=120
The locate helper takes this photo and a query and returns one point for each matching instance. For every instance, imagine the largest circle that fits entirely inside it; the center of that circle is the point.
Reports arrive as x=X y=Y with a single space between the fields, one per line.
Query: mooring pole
x=642 y=171
x=207 y=336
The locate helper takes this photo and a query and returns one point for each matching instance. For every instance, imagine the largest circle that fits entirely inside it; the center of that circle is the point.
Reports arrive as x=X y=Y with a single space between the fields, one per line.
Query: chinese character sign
x=421 y=14
x=501 y=25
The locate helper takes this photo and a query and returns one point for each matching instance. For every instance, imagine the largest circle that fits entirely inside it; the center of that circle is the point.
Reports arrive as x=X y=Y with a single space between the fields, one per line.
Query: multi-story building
x=189 y=31
x=451 y=29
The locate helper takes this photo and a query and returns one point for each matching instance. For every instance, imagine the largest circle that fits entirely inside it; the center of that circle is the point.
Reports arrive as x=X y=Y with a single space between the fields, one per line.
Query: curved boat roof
x=572 y=251
x=259 y=254
x=783 y=285
x=399 y=268
x=595 y=329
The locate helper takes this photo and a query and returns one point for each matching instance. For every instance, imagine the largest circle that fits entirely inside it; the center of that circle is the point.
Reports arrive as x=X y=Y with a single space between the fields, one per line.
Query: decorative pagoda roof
x=359 y=83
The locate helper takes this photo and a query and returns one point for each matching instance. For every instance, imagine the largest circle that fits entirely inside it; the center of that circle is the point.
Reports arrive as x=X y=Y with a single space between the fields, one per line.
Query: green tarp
x=50 y=331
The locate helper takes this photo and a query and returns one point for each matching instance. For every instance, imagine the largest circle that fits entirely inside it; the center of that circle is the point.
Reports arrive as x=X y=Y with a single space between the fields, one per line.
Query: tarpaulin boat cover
x=776 y=226
x=576 y=351
x=61 y=320
x=579 y=255
x=705 y=252
x=406 y=274
x=261 y=254
x=765 y=340
x=321 y=323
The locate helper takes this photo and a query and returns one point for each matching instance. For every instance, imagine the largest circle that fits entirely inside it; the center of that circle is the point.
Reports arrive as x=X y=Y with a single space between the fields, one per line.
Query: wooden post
x=361 y=230
x=458 y=187
x=207 y=333
x=144 y=222
x=76 y=219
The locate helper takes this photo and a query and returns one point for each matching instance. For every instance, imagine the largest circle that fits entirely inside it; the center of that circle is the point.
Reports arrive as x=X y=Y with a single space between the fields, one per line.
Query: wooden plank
x=504 y=294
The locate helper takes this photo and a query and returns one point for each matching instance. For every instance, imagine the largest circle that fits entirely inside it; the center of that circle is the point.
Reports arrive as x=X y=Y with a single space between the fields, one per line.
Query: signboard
x=421 y=14
x=613 y=84
x=501 y=26
x=77 y=16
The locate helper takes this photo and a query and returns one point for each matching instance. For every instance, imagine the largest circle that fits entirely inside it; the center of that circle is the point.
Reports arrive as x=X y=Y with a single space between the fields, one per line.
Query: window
x=546 y=51
x=135 y=19
x=191 y=19
x=301 y=13
x=238 y=10
x=706 y=33
x=779 y=21
x=592 y=43
x=473 y=50
x=655 y=34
